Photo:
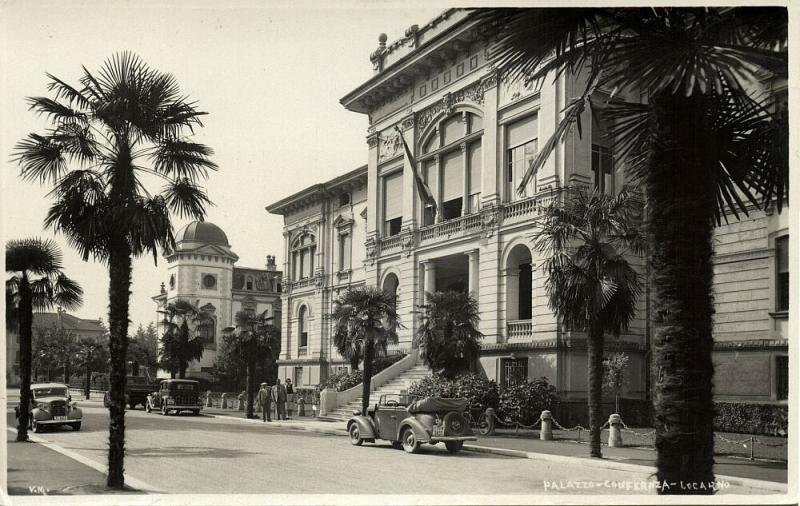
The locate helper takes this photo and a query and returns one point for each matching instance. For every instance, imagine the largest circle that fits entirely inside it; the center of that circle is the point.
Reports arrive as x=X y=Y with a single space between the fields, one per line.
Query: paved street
x=186 y=454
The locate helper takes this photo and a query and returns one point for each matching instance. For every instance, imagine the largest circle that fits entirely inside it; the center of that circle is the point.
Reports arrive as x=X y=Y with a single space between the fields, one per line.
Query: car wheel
x=132 y=405
x=454 y=424
x=454 y=446
x=76 y=426
x=410 y=443
x=196 y=412
x=355 y=435
x=147 y=406
x=397 y=445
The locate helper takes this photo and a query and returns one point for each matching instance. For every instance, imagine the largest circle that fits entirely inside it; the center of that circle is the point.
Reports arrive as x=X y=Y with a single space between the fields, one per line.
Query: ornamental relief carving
x=472 y=93
x=391 y=146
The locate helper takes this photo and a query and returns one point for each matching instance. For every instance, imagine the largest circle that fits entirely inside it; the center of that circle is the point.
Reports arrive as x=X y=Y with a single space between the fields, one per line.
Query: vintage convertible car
x=51 y=406
x=175 y=395
x=408 y=421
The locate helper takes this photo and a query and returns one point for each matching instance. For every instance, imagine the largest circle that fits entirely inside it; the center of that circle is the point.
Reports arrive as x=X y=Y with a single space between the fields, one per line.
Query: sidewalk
x=526 y=444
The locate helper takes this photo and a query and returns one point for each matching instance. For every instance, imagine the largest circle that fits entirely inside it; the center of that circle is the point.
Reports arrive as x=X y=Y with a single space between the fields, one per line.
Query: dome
x=202 y=232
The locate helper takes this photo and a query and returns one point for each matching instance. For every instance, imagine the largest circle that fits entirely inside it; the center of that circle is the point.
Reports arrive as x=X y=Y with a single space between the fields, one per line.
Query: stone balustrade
x=519 y=329
x=451 y=228
x=391 y=243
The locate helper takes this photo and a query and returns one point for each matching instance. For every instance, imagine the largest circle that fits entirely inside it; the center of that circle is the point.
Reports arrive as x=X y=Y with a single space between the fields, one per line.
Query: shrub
x=381 y=363
x=343 y=380
x=745 y=418
x=525 y=402
x=480 y=392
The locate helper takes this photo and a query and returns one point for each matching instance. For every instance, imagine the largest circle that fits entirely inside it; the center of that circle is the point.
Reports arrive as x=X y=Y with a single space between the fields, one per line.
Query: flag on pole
x=424 y=192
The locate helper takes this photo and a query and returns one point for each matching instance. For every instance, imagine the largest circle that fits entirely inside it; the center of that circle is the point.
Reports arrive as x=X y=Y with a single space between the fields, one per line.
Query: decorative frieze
x=472 y=93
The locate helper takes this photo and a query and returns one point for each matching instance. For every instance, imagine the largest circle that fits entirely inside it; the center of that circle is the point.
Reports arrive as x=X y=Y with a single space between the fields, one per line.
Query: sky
x=270 y=78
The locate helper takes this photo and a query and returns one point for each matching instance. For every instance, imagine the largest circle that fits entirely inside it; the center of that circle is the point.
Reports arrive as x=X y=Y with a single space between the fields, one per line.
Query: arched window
x=302 y=327
x=249 y=282
x=304 y=248
x=451 y=164
x=390 y=285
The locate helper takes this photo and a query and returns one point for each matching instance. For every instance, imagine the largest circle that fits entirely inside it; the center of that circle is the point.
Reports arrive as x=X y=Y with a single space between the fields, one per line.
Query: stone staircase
x=397 y=385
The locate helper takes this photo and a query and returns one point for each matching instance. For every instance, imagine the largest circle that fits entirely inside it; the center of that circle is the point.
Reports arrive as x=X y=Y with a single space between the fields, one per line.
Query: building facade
x=324 y=233
x=79 y=328
x=202 y=270
x=472 y=136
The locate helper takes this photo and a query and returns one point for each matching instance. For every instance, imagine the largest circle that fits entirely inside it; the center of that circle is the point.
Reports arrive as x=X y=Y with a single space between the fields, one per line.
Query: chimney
x=270 y=263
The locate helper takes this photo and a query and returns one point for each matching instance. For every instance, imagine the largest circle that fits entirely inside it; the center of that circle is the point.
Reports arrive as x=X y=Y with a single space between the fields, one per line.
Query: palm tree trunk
x=251 y=382
x=88 y=383
x=369 y=354
x=681 y=213
x=66 y=372
x=594 y=345
x=25 y=351
x=119 y=298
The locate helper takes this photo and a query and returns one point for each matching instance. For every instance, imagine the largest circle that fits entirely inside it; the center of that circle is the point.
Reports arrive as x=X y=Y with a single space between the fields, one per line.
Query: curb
x=135 y=483
x=771 y=486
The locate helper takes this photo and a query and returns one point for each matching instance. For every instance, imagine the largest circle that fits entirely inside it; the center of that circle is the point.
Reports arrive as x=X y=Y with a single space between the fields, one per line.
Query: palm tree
x=119 y=131
x=449 y=332
x=589 y=282
x=86 y=353
x=702 y=146
x=37 y=283
x=180 y=344
x=251 y=341
x=349 y=346
x=367 y=316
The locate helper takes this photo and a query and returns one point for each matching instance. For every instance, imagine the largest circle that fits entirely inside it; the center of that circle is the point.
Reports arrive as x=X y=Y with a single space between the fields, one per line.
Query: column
x=465 y=178
x=409 y=186
x=492 y=170
x=430 y=276
x=438 y=190
x=473 y=272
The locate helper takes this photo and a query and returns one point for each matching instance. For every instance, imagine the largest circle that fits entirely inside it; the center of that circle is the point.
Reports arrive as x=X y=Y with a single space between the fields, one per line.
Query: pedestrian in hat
x=289 y=397
x=265 y=399
x=280 y=399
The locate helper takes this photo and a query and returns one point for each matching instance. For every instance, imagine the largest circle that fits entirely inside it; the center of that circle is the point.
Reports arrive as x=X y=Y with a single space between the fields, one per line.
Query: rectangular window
x=344 y=252
x=515 y=371
x=782 y=273
x=298 y=376
x=451 y=209
x=782 y=377
x=521 y=145
x=303 y=263
x=602 y=162
x=475 y=166
x=393 y=203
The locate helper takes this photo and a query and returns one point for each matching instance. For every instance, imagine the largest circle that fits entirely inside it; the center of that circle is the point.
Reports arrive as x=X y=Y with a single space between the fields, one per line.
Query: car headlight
x=44 y=407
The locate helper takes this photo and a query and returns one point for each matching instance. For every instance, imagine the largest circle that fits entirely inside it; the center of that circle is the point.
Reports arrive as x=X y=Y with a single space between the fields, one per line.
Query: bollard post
x=579 y=434
x=614 y=431
x=490 y=418
x=752 y=456
x=546 y=434
x=209 y=403
x=224 y=401
x=241 y=403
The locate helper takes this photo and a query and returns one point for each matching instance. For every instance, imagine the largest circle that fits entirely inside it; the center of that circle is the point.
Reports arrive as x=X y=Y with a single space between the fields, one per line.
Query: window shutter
x=475 y=166
x=522 y=131
x=453 y=176
x=393 y=196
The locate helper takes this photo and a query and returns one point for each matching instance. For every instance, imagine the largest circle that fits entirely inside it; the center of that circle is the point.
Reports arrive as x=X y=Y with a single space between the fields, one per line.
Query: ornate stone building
x=202 y=271
x=472 y=136
x=324 y=234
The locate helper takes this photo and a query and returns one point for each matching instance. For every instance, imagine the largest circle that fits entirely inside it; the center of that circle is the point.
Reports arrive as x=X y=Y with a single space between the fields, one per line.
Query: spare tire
x=454 y=424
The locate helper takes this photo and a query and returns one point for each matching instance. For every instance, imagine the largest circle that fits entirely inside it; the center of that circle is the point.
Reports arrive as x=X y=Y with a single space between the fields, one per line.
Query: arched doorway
x=519 y=284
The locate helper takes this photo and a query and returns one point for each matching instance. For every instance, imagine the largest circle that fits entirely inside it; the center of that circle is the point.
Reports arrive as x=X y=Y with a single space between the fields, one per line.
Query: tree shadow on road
x=180 y=451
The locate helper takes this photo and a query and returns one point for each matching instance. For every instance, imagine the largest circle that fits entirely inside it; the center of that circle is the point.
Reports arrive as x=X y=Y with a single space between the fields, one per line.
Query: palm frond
x=41 y=257
x=67 y=293
x=186 y=198
x=42 y=159
x=182 y=159
x=55 y=110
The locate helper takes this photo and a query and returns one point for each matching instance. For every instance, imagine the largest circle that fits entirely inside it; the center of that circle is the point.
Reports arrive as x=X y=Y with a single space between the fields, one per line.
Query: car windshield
x=184 y=387
x=397 y=399
x=38 y=393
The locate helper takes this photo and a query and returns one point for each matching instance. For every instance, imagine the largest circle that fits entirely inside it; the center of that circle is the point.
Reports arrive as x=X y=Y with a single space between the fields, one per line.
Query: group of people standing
x=275 y=397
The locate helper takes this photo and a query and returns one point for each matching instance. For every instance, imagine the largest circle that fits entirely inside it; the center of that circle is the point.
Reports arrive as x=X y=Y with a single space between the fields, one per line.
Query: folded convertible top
x=436 y=404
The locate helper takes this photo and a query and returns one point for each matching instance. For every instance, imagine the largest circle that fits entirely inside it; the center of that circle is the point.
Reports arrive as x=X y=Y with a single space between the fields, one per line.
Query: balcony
x=520 y=209
x=391 y=243
x=519 y=330
x=302 y=283
x=458 y=227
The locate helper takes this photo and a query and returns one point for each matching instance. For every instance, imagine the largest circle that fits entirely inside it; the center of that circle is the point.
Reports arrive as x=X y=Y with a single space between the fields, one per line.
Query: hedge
x=749 y=418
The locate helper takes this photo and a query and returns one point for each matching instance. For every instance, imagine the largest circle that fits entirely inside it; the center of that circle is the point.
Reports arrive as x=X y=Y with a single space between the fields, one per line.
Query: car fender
x=40 y=415
x=420 y=433
x=365 y=426
x=75 y=413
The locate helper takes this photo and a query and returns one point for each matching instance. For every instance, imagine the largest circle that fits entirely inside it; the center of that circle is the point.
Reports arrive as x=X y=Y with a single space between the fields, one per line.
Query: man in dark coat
x=280 y=399
x=265 y=399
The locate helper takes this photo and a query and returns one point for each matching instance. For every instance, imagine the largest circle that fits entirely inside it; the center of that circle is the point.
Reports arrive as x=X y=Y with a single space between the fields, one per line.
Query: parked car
x=175 y=395
x=409 y=421
x=51 y=406
x=137 y=388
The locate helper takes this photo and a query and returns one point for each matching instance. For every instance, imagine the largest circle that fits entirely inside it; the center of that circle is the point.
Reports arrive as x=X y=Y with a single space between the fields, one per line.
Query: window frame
x=298 y=256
